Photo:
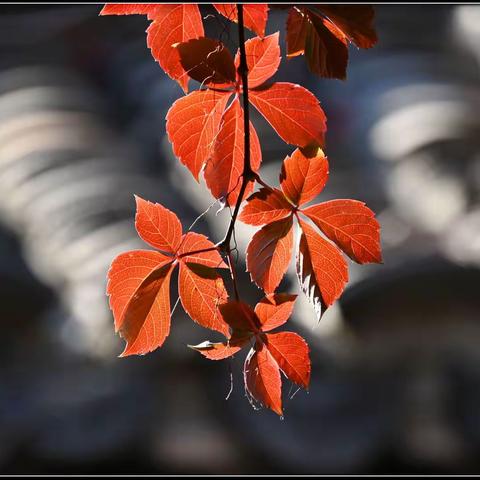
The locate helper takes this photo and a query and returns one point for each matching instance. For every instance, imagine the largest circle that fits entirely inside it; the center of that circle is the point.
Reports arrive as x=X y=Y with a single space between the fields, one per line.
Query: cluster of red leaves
x=206 y=129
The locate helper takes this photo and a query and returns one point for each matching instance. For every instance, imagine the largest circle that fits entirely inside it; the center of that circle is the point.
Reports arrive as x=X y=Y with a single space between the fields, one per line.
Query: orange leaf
x=296 y=32
x=158 y=226
x=274 y=310
x=125 y=276
x=219 y=351
x=192 y=126
x=207 y=61
x=265 y=206
x=146 y=322
x=292 y=111
x=322 y=271
x=263 y=59
x=202 y=291
x=262 y=378
x=291 y=352
x=224 y=169
x=130 y=9
x=254 y=15
x=269 y=253
x=351 y=225
x=303 y=178
x=240 y=316
x=192 y=242
x=173 y=23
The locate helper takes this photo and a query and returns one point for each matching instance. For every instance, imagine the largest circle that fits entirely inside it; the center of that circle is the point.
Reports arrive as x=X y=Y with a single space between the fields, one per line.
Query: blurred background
x=396 y=371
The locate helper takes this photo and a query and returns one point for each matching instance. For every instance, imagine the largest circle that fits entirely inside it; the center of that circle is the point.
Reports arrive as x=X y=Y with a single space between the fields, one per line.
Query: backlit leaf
x=125 y=276
x=225 y=167
x=292 y=111
x=254 y=15
x=263 y=59
x=158 y=226
x=269 y=253
x=146 y=322
x=274 y=310
x=240 y=316
x=193 y=122
x=321 y=268
x=262 y=378
x=351 y=225
x=192 y=242
x=173 y=23
x=265 y=206
x=220 y=351
x=302 y=178
x=291 y=352
x=202 y=291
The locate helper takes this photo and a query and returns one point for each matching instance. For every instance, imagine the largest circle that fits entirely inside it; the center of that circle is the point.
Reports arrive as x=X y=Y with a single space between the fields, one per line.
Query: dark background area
x=396 y=375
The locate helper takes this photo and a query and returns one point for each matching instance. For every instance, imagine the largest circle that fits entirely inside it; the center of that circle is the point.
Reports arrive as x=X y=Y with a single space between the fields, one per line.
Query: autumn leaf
x=158 y=226
x=262 y=378
x=302 y=178
x=192 y=126
x=265 y=206
x=139 y=290
x=292 y=111
x=272 y=352
x=139 y=281
x=255 y=15
x=322 y=271
x=224 y=169
x=291 y=353
x=274 y=310
x=351 y=225
x=269 y=253
x=322 y=33
x=263 y=58
x=208 y=61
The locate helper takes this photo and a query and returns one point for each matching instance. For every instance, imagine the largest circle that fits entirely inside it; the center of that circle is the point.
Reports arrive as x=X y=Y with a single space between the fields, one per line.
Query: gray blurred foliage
x=396 y=381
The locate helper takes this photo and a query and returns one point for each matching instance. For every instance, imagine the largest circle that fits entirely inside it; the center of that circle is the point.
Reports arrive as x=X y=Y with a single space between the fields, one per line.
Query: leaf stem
x=248 y=174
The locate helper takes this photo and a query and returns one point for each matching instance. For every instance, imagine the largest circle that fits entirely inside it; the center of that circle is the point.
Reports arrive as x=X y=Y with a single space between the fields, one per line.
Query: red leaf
x=146 y=322
x=355 y=21
x=291 y=352
x=202 y=291
x=323 y=35
x=269 y=253
x=127 y=273
x=254 y=15
x=240 y=316
x=192 y=126
x=158 y=226
x=322 y=271
x=265 y=206
x=208 y=61
x=262 y=378
x=224 y=169
x=130 y=9
x=219 y=351
x=274 y=310
x=292 y=111
x=173 y=23
x=326 y=48
x=303 y=178
x=192 y=242
x=263 y=59
x=296 y=32
x=351 y=225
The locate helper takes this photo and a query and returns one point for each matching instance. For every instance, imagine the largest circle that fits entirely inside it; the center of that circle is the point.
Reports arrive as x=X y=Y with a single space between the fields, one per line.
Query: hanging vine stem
x=248 y=174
